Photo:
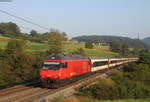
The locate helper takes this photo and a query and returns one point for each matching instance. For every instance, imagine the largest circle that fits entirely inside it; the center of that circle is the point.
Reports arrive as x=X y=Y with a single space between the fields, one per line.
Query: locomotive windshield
x=54 y=65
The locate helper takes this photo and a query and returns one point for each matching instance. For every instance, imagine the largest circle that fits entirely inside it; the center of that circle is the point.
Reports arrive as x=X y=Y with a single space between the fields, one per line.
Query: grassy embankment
x=128 y=100
x=86 y=99
x=33 y=47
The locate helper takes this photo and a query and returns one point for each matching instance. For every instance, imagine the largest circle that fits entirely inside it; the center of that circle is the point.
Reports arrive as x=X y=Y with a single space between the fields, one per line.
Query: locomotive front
x=52 y=72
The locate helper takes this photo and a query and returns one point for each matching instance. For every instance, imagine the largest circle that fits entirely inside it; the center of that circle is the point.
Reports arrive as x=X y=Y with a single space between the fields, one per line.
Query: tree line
x=12 y=30
x=134 y=43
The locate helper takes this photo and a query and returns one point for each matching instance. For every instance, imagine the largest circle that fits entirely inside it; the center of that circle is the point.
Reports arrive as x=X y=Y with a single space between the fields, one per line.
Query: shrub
x=121 y=85
x=16 y=65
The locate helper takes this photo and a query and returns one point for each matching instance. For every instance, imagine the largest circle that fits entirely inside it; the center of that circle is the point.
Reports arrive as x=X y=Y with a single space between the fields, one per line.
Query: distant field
x=32 y=47
x=97 y=51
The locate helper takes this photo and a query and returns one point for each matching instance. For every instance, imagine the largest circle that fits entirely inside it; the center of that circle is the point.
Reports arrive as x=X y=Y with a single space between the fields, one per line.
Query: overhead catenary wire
x=27 y=21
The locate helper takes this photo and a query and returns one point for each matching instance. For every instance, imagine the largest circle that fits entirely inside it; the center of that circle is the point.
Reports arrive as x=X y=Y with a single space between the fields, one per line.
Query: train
x=61 y=69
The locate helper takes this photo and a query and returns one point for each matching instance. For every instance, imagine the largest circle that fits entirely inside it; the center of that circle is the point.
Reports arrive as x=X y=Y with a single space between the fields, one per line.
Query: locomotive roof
x=66 y=57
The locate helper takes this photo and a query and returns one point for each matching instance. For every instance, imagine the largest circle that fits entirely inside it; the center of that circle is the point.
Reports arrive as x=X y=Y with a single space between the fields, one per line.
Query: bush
x=101 y=90
x=16 y=65
x=133 y=83
x=144 y=58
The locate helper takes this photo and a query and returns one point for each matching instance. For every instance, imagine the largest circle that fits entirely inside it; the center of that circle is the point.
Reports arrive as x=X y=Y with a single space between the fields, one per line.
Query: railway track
x=35 y=93
x=11 y=92
x=17 y=88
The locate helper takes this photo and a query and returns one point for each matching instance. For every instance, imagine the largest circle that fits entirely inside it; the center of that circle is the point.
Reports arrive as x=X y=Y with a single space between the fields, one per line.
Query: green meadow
x=33 y=48
x=97 y=51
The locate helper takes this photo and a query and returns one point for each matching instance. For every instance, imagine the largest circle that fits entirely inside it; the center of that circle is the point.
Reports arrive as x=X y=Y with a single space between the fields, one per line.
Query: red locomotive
x=59 y=69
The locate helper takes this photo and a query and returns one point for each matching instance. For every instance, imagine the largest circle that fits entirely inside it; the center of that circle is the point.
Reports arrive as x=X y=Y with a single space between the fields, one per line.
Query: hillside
x=108 y=39
x=69 y=47
x=31 y=46
x=146 y=40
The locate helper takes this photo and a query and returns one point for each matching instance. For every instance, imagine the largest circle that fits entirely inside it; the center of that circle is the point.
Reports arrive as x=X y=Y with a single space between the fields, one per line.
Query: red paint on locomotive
x=73 y=68
x=64 y=67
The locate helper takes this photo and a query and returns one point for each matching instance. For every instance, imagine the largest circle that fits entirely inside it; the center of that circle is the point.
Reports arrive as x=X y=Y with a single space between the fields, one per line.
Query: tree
x=33 y=33
x=144 y=57
x=16 y=65
x=122 y=49
x=1 y=29
x=115 y=46
x=55 y=42
x=89 y=45
x=20 y=62
x=135 y=52
x=65 y=36
x=125 y=50
x=10 y=29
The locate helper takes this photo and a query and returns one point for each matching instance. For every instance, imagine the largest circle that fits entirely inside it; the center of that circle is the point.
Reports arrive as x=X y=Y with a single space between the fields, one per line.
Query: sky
x=82 y=17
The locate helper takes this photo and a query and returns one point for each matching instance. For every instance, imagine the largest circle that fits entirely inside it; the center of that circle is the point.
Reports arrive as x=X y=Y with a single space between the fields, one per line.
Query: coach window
x=101 y=63
x=114 y=61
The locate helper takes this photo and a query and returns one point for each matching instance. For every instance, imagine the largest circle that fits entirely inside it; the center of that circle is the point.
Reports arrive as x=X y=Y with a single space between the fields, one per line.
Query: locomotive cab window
x=54 y=65
x=63 y=65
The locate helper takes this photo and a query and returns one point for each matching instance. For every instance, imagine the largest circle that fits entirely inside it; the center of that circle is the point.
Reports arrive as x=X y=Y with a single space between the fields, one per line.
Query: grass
x=3 y=41
x=87 y=99
x=33 y=48
x=127 y=100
